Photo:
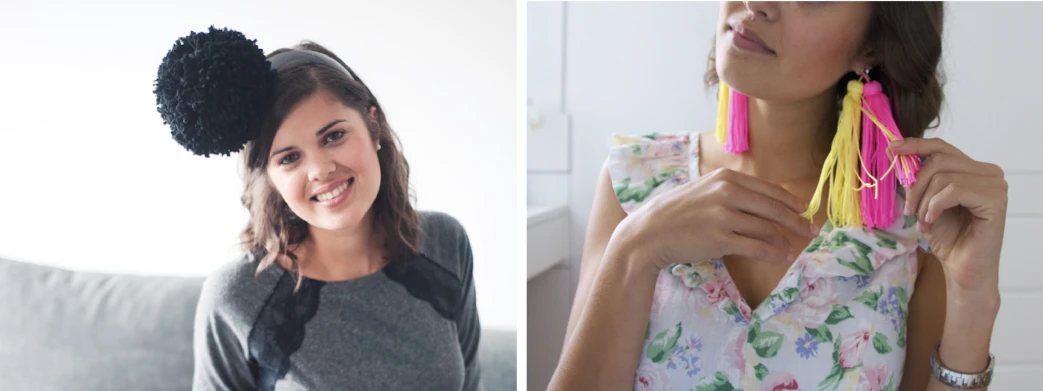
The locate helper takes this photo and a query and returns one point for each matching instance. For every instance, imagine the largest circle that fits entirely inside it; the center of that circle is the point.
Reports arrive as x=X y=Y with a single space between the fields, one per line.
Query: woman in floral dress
x=699 y=273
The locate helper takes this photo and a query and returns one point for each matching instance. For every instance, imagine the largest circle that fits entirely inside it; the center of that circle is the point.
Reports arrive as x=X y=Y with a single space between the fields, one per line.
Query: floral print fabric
x=836 y=320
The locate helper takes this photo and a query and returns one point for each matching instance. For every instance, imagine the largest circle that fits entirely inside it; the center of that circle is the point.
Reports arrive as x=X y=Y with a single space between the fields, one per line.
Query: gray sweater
x=402 y=328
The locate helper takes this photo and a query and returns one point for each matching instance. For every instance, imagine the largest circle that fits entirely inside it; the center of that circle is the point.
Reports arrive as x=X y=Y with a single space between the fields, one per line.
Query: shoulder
x=641 y=167
x=444 y=241
x=232 y=292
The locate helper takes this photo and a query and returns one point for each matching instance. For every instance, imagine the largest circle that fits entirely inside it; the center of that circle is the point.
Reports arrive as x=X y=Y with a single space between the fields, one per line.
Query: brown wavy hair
x=905 y=39
x=273 y=229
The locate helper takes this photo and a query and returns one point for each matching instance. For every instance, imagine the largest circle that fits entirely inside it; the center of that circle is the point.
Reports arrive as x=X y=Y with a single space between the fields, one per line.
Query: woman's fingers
x=943 y=163
x=762 y=187
x=766 y=200
x=756 y=249
x=757 y=228
x=924 y=147
x=976 y=193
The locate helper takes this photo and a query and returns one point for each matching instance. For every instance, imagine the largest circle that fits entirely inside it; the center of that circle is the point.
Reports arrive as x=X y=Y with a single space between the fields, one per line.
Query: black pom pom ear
x=212 y=89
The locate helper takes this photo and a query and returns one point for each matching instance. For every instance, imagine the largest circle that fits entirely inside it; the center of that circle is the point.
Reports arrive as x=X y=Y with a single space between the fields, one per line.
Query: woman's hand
x=961 y=205
x=724 y=212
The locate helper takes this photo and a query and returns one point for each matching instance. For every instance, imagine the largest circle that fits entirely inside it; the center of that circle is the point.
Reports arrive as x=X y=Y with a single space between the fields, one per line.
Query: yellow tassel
x=841 y=167
x=723 y=96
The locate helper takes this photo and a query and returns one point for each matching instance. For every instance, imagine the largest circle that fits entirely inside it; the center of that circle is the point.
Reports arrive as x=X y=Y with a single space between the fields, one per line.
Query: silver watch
x=955 y=379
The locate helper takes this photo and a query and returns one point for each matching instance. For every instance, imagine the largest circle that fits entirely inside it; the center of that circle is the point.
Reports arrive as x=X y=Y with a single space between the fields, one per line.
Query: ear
x=373 y=114
x=864 y=59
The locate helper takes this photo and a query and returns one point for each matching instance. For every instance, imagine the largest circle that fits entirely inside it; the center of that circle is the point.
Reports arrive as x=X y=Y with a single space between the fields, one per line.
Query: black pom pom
x=212 y=89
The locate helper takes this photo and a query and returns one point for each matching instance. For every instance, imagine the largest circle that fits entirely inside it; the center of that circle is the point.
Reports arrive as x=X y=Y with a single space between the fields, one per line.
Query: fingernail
x=791 y=258
x=919 y=228
x=896 y=144
x=813 y=229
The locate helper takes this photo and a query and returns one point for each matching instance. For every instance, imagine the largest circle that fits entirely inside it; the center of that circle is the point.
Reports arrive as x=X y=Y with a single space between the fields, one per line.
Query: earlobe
x=373 y=114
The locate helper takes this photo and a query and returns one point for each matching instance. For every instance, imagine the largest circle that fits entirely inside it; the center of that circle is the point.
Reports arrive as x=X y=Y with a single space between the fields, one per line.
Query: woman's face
x=324 y=163
x=804 y=47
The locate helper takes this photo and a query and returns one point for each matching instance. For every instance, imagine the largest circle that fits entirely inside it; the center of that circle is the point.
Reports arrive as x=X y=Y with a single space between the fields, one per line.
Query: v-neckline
x=784 y=283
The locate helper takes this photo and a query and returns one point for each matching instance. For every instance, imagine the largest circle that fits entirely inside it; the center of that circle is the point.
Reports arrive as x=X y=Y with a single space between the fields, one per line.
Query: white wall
x=633 y=68
x=90 y=178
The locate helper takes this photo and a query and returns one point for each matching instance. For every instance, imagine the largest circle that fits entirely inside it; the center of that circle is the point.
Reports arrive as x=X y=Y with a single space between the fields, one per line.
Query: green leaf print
x=648 y=330
x=903 y=302
x=821 y=334
x=886 y=241
x=901 y=338
x=761 y=371
x=837 y=373
x=839 y=314
x=815 y=244
x=719 y=382
x=870 y=298
x=635 y=149
x=862 y=265
x=903 y=307
x=789 y=294
x=909 y=221
x=880 y=344
x=827 y=227
x=661 y=345
x=765 y=343
x=650 y=136
x=890 y=384
x=731 y=309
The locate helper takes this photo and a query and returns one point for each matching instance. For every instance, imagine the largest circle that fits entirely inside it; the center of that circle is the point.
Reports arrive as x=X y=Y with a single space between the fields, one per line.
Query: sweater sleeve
x=468 y=326
x=219 y=355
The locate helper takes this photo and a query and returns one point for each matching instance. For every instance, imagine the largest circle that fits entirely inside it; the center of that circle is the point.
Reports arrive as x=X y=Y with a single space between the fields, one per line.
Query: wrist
x=628 y=246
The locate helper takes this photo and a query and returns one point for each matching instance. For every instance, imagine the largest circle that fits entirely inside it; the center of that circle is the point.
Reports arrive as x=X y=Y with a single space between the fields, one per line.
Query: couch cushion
x=64 y=330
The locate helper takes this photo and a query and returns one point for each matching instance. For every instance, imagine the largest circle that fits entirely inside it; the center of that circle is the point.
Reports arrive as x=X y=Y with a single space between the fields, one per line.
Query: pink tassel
x=738 y=140
x=878 y=202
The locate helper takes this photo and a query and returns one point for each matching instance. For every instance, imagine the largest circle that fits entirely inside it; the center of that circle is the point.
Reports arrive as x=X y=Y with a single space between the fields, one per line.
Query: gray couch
x=68 y=330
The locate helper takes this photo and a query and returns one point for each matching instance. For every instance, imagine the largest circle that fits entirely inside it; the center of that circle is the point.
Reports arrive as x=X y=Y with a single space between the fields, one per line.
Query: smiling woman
x=338 y=266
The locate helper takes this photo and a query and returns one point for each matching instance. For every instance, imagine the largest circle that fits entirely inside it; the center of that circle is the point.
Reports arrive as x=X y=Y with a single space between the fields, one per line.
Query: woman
x=344 y=285
x=692 y=277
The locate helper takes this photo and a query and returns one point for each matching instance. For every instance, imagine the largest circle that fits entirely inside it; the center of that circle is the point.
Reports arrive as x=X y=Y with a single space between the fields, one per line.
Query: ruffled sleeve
x=642 y=167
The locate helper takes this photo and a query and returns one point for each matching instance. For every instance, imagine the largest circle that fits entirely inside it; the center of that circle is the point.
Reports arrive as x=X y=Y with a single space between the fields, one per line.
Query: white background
x=633 y=68
x=90 y=178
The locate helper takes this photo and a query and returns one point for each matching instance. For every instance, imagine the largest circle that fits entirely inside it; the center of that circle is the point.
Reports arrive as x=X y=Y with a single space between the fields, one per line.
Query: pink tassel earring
x=738 y=123
x=878 y=130
x=733 y=120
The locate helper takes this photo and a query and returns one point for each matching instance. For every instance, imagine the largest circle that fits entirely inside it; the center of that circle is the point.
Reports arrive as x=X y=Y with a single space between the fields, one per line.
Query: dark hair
x=273 y=228
x=905 y=39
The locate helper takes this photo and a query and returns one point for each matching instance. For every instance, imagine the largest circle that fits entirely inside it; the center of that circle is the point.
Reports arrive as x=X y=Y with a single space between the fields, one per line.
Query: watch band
x=956 y=379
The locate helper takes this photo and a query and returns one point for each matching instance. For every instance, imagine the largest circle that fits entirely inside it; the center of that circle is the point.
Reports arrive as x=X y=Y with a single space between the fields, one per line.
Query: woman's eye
x=334 y=136
x=289 y=158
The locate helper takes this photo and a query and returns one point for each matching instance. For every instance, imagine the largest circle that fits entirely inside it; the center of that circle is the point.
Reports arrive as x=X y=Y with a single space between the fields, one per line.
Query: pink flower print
x=873 y=378
x=651 y=377
x=745 y=310
x=779 y=381
x=853 y=347
x=878 y=259
x=733 y=350
x=716 y=290
x=815 y=303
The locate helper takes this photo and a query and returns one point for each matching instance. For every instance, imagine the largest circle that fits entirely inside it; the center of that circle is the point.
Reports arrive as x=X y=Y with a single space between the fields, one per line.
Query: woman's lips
x=748 y=41
x=339 y=199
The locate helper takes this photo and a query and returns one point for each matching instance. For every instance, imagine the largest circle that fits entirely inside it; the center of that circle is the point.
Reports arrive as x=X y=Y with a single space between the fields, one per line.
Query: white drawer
x=548 y=238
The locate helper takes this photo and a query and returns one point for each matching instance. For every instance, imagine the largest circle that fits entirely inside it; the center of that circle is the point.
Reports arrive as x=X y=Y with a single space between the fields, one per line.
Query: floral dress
x=836 y=320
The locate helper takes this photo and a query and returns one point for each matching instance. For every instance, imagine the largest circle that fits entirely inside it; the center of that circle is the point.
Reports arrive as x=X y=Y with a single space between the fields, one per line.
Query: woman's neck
x=342 y=255
x=787 y=141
